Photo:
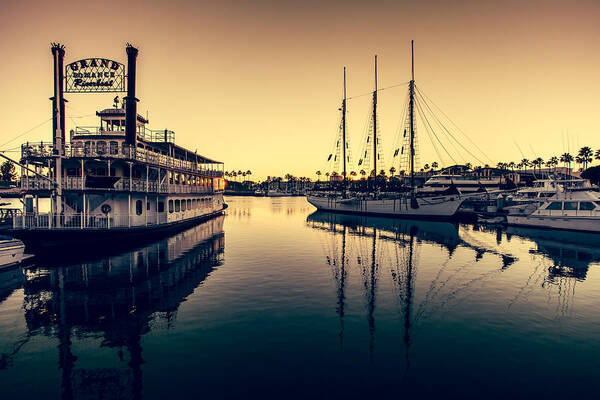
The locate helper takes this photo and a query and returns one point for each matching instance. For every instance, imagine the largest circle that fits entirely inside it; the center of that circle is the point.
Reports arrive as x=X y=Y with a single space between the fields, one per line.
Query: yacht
x=569 y=210
x=543 y=189
x=463 y=183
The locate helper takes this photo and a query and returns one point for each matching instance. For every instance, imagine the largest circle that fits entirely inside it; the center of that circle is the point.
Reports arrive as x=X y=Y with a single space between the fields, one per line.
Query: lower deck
x=117 y=210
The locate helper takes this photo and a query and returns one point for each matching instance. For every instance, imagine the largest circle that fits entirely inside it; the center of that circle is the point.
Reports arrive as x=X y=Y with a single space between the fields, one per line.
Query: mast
x=411 y=106
x=375 y=124
x=344 y=127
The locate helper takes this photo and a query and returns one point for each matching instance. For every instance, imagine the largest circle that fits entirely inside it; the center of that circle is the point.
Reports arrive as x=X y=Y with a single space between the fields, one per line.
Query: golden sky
x=257 y=84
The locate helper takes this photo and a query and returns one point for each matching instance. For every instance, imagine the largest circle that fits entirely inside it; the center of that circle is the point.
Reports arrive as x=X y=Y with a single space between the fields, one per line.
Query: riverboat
x=119 y=179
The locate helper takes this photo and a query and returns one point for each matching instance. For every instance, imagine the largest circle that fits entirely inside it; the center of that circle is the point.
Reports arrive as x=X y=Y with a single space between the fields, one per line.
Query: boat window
x=101 y=147
x=182 y=205
x=170 y=206
x=161 y=206
x=138 y=207
x=194 y=205
x=586 y=205
x=177 y=205
x=114 y=147
x=147 y=206
x=570 y=205
x=189 y=204
x=555 y=205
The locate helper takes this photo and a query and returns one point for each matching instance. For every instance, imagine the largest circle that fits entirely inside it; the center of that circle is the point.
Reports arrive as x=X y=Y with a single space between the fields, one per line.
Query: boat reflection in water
x=118 y=299
x=374 y=246
x=571 y=253
x=376 y=251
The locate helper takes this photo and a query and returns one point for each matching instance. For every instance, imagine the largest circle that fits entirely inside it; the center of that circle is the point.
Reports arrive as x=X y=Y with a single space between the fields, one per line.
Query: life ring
x=105 y=208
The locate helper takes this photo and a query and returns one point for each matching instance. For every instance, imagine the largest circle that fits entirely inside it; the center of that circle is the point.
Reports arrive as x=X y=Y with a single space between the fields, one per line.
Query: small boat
x=569 y=210
x=12 y=252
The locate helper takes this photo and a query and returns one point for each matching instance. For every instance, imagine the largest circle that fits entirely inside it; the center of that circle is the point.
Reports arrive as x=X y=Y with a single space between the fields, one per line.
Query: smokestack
x=131 y=100
x=58 y=101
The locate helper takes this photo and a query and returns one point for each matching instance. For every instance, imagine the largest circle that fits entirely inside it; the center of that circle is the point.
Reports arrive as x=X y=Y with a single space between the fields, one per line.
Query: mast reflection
x=119 y=298
x=374 y=243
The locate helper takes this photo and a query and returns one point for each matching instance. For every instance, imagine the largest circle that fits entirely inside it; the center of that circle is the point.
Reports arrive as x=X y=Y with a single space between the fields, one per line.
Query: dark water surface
x=275 y=300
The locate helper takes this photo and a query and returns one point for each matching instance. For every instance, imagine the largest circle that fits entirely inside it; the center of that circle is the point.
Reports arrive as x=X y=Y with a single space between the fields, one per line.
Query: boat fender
x=105 y=208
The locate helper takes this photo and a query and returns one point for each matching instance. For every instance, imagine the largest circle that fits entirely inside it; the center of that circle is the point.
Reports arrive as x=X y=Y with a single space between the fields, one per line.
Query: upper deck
x=107 y=141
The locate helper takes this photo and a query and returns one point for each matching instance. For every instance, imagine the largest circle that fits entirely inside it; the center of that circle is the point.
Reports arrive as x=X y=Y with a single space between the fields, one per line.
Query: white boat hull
x=436 y=207
x=562 y=222
x=11 y=252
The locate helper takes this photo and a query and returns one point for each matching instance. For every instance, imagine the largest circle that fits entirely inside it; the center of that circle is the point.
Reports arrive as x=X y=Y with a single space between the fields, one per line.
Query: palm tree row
x=234 y=174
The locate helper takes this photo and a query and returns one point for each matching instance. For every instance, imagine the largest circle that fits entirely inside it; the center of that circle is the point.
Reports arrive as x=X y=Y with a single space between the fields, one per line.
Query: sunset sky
x=258 y=84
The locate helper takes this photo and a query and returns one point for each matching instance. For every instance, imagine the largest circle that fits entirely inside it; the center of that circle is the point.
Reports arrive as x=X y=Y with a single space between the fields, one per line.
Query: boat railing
x=82 y=221
x=149 y=135
x=116 y=150
x=123 y=184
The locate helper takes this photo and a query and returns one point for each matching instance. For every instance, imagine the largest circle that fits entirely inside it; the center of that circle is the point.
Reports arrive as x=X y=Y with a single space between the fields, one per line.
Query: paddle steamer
x=117 y=179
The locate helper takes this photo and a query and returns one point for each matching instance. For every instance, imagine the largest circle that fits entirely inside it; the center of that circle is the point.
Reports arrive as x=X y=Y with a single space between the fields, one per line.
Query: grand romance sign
x=94 y=75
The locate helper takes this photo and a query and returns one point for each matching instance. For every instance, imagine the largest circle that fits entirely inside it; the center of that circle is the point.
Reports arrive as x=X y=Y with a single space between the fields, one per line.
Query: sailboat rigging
x=390 y=204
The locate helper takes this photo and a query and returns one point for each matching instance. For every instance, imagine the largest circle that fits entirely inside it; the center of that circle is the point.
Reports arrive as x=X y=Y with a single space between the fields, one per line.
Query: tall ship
x=117 y=179
x=410 y=203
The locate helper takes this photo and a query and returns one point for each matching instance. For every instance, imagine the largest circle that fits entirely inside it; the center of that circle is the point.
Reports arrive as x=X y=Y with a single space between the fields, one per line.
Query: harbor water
x=275 y=299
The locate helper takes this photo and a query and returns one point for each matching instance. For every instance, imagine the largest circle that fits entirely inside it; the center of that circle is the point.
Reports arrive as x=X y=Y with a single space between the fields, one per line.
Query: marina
x=299 y=200
x=377 y=300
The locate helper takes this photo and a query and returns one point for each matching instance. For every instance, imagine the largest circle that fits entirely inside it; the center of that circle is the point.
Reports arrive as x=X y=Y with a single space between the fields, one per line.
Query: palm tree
x=426 y=167
x=567 y=159
x=597 y=155
x=392 y=170
x=468 y=166
x=434 y=165
x=318 y=176
x=525 y=162
x=248 y=172
x=352 y=173
x=512 y=165
x=538 y=162
x=363 y=173
x=586 y=156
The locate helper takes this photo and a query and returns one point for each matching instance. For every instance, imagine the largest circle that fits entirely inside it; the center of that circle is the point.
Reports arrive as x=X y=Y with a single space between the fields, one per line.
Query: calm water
x=275 y=300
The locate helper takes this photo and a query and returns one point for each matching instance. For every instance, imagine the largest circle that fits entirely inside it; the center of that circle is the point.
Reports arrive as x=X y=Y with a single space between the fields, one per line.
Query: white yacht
x=543 y=189
x=570 y=210
x=463 y=183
